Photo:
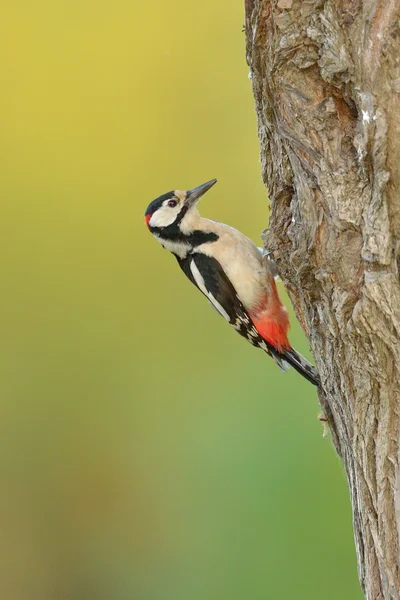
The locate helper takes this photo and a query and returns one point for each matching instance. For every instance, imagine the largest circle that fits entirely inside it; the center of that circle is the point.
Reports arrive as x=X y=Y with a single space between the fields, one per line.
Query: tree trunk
x=326 y=82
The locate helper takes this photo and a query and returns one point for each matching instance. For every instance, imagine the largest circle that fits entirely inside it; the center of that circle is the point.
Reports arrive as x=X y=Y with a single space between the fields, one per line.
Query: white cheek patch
x=201 y=285
x=163 y=217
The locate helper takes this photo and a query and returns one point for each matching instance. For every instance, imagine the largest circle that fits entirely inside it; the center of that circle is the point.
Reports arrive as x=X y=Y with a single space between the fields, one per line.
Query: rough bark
x=326 y=82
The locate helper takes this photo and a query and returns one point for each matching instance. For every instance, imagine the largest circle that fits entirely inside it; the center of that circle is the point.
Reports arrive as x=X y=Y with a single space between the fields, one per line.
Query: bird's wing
x=207 y=274
x=209 y=277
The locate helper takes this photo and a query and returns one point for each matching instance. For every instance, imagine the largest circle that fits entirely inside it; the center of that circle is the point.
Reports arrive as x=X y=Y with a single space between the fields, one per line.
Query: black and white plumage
x=229 y=270
x=200 y=268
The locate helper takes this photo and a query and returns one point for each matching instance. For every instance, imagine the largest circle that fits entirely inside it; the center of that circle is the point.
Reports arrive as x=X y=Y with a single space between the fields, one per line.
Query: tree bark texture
x=326 y=82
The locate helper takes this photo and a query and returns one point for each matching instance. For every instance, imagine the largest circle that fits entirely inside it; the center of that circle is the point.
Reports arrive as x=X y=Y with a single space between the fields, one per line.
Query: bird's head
x=168 y=212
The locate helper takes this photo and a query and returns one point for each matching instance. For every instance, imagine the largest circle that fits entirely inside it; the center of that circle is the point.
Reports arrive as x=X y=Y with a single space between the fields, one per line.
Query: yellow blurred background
x=147 y=452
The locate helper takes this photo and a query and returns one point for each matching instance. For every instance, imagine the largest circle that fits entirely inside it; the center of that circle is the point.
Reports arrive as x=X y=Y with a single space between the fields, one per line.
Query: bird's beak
x=192 y=196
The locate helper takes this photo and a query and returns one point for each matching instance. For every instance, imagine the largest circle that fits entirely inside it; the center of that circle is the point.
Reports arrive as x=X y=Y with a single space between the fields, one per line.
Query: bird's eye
x=172 y=203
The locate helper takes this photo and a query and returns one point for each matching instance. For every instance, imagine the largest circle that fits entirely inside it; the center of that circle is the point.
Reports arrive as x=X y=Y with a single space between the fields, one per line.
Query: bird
x=230 y=270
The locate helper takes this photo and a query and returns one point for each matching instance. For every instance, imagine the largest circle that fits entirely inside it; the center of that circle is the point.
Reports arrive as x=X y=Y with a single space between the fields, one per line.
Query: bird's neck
x=183 y=239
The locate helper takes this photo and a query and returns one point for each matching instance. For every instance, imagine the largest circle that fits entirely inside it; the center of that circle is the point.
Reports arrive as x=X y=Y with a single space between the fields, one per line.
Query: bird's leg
x=267 y=254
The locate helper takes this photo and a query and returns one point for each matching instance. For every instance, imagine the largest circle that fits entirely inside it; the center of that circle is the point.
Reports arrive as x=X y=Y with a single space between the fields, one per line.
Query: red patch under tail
x=273 y=329
x=272 y=321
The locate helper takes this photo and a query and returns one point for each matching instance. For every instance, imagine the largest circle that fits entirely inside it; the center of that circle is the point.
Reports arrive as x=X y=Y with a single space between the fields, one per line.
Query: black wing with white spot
x=207 y=274
x=209 y=277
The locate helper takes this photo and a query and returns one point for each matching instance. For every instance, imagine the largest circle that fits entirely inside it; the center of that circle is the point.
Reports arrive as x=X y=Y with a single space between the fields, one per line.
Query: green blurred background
x=147 y=452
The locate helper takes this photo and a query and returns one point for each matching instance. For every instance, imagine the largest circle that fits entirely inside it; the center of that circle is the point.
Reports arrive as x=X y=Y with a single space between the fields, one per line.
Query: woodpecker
x=229 y=269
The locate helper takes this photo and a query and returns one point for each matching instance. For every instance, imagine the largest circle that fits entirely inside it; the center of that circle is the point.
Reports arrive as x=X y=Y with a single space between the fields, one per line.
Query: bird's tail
x=301 y=365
